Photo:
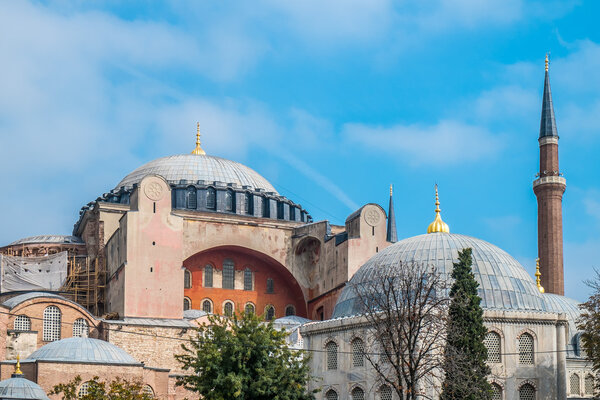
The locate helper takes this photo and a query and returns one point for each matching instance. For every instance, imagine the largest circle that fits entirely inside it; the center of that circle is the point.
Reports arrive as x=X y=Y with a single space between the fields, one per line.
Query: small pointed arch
x=228 y=308
x=269 y=312
x=290 y=310
x=589 y=384
x=207 y=306
x=331 y=351
x=496 y=391
x=527 y=391
x=331 y=394
x=229 y=200
x=357 y=393
x=211 y=198
x=187 y=304
x=191 y=198
x=358 y=352
x=249 y=203
x=575 y=384
x=526 y=348
x=250 y=308
x=493 y=344
x=385 y=392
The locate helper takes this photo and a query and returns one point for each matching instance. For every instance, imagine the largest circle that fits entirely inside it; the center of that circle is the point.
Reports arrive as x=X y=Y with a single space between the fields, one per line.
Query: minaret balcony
x=550 y=179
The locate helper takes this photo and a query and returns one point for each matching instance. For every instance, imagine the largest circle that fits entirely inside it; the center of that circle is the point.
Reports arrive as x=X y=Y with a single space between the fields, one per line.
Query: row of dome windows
x=228 y=308
x=52 y=325
x=228 y=279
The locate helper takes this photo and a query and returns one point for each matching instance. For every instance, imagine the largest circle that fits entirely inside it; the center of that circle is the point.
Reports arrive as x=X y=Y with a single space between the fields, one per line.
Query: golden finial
x=198 y=150
x=438 y=225
x=391 y=189
x=538 y=274
x=18 y=367
x=546 y=62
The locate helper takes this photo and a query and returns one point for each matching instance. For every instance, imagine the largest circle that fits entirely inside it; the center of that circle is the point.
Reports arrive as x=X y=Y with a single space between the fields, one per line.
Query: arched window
x=266 y=207
x=229 y=200
x=80 y=328
x=574 y=385
x=22 y=323
x=248 y=279
x=358 y=353
x=249 y=203
x=211 y=198
x=496 y=392
x=228 y=309
x=526 y=349
x=385 y=392
x=187 y=304
x=331 y=349
x=191 y=199
x=148 y=390
x=83 y=389
x=280 y=213
x=292 y=213
x=589 y=385
x=270 y=313
x=228 y=274
x=250 y=309
x=290 y=310
x=52 y=322
x=207 y=306
x=358 y=394
x=187 y=279
x=208 y=275
x=492 y=343
x=527 y=392
x=270 y=285
x=331 y=395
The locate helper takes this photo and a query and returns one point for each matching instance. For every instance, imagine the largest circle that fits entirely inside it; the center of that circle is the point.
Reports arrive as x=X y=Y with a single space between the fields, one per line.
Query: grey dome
x=194 y=168
x=61 y=239
x=18 y=387
x=503 y=282
x=83 y=350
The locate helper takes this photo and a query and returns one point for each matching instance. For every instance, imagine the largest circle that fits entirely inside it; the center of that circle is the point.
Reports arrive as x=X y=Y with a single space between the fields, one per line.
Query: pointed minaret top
x=438 y=225
x=198 y=150
x=392 y=234
x=548 y=123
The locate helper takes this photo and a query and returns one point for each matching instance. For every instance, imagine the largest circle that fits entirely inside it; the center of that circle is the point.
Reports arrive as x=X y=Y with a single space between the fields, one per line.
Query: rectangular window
x=247 y=279
x=228 y=274
x=270 y=285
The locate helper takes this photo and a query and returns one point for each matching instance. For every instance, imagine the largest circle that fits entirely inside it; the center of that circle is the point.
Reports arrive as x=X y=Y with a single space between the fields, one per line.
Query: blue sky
x=330 y=101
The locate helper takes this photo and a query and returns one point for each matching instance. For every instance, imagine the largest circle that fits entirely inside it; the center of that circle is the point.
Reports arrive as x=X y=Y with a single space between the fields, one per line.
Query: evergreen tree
x=465 y=365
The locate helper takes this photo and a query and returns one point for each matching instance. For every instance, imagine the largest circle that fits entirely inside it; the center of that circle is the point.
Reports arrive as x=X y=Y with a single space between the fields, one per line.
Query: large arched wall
x=286 y=291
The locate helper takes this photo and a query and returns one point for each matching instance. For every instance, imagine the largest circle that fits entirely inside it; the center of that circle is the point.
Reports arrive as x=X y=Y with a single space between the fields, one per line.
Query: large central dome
x=193 y=168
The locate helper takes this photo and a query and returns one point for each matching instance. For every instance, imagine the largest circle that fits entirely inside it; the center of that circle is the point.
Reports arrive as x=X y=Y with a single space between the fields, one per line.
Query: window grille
x=270 y=285
x=80 y=328
x=331 y=395
x=191 y=198
x=207 y=306
x=148 y=390
x=187 y=304
x=208 y=276
x=589 y=385
x=385 y=392
x=250 y=309
x=211 y=199
x=228 y=274
x=496 y=392
x=526 y=392
x=52 y=317
x=187 y=279
x=358 y=353
x=332 y=355
x=249 y=204
x=229 y=201
x=289 y=311
x=83 y=389
x=228 y=309
x=492 y=343
x=280 y=210
x=526 y=349
x=266 y=207
x=292 y=213
x=270 y=313
x=574 y=386
x=358 y=394
x=247 y=279
x=22 y=323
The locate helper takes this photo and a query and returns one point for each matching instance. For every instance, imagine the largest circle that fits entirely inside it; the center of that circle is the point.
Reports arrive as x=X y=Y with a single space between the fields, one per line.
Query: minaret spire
x=438 y=225
x=392 y=234
x=549 y=188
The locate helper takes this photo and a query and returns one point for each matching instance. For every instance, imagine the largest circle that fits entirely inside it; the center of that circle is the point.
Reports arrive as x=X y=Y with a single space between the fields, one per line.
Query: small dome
x=83 y=350
x=59 y=239
x=18 y=387
x=193 y=167
x=503 y=282
x=15 y=301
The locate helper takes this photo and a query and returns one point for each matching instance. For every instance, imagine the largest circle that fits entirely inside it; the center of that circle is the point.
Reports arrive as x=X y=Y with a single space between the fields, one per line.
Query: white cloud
x=446 y=142
x=507 y=102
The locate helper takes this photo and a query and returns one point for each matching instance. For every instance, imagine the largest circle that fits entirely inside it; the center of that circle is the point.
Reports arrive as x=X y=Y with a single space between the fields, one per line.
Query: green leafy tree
x=465 y=365
x=118 y=389
x=243 y=358
x=589 y=324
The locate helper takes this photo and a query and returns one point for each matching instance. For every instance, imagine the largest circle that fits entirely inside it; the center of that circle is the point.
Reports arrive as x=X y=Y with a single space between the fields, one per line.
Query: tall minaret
x=392 y=234
x=549 y=188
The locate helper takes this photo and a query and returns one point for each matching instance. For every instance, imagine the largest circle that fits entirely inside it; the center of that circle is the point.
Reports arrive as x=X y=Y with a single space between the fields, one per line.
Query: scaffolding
x=85 y=284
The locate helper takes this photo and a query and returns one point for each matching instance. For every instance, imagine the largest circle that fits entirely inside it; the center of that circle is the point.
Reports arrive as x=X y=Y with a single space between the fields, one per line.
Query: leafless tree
x=405 y=317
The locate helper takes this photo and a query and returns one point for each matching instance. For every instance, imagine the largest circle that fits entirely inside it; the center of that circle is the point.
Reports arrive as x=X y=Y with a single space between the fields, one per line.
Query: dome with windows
x=503 y=282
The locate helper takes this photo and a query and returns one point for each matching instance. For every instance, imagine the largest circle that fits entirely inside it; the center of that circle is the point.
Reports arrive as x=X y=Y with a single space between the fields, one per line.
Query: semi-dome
x=199 y=167
x=503 y=282
x=82 y=350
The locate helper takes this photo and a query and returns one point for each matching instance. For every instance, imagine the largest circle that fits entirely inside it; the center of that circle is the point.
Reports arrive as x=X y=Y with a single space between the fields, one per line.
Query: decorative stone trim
x=527 y=330
x=528 y=381
x=548 y=140
x=496 y=330
x=550 y=179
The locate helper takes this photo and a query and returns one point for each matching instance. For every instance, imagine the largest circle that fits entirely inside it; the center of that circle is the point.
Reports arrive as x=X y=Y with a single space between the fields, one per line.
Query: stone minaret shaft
x=549 y=188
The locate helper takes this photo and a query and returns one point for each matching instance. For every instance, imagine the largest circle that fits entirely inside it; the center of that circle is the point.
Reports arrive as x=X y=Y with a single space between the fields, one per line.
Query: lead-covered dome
x=503 y=282
x=17 y=387
x=82 y=350
x=197 y=167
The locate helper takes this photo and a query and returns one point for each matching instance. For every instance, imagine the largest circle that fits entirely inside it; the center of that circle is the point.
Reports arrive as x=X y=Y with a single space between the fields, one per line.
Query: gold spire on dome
x=198 y=150
x=18 y=366
x=438 y=225
x=546 y=62
x=538 y=274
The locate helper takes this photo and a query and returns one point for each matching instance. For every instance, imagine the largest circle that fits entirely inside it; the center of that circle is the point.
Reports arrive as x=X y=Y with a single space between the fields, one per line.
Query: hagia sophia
x=188 y=235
